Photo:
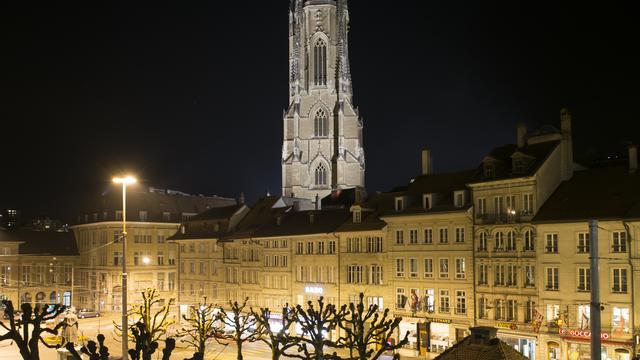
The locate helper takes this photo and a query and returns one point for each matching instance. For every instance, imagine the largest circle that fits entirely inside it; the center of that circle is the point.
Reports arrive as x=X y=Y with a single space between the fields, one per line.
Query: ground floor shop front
x=430 y=334
x=576 y=345
x=522 y=341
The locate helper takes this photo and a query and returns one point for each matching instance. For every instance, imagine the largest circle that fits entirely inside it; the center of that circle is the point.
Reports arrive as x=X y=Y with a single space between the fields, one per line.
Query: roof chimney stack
x=426 y=162
x=521 y=135
x=483 y=334
x=318 y=202
x=633 y=159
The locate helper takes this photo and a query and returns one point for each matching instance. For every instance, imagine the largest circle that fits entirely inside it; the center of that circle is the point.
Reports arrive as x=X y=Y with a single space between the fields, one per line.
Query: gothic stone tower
x=322 y=148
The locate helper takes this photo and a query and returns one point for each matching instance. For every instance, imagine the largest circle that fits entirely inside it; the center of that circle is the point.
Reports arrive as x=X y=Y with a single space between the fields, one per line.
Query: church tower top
x=322 y=149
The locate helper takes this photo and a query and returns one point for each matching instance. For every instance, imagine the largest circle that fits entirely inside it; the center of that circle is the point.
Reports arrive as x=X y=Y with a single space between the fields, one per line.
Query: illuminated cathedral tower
x=322 y=148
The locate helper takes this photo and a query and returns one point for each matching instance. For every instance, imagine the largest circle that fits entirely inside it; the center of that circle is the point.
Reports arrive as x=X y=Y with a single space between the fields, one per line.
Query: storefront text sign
x=438 y=320
x=581 y=333
x=313 y=290
x=506 y=325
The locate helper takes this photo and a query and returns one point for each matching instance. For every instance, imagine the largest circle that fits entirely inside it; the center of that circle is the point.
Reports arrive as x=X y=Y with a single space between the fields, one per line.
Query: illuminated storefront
x=525 y=345
x=575 y=344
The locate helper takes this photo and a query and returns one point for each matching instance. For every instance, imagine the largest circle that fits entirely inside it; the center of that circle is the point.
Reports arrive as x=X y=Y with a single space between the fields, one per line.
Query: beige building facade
x=152 y=217
x=38 y=267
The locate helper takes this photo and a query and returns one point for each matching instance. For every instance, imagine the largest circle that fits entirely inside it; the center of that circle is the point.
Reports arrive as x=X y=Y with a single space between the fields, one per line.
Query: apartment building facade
x=429 y=237
x=153 y=216
x=512 y=183
x=564 y=262
x=38 y=267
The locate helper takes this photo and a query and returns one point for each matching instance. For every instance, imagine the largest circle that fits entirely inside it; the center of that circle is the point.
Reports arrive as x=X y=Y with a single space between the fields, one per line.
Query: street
x=90 y=328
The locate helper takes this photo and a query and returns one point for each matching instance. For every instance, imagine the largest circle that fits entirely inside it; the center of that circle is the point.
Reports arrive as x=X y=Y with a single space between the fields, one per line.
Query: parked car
x=87 y=313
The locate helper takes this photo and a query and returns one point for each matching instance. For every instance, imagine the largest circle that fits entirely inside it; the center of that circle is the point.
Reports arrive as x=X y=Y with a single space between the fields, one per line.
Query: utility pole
x=596 y=346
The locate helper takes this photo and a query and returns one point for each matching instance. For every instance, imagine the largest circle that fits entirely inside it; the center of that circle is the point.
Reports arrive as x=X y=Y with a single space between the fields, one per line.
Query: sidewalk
x=407 y=354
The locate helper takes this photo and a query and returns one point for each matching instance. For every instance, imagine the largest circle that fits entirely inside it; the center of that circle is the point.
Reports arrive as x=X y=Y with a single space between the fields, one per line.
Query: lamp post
x=127 y=180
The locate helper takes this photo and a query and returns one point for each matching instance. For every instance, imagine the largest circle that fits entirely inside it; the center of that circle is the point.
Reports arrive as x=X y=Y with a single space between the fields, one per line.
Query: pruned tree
x=317 y=323
x=151 y=326
x=278 y=339
x=243 y=324
x=202 y=326
x=26 y=331
x=169 y=346
x=366 y=331
x=92 y=350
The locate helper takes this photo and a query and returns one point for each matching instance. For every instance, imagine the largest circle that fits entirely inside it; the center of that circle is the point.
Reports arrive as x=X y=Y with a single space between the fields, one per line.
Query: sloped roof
x=42 y=242
x=262 y=213
x=481 y=345
x=441 y=183
x=154 y=202
x=305 y=222
x=370 y=220
x=601 y=193
x=538 y=152
x=217 y=213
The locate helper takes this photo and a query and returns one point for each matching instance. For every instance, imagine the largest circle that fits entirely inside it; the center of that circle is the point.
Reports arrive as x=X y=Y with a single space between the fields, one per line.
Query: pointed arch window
x=320 y=124
x=321 y=175
x=320 y=63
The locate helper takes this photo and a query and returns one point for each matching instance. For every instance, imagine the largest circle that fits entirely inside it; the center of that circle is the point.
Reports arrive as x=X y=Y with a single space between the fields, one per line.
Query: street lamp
x=127 y=180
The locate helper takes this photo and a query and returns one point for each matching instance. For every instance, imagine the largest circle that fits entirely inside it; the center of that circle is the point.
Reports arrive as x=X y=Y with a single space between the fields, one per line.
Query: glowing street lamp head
x=146 y=260
x=127 y=180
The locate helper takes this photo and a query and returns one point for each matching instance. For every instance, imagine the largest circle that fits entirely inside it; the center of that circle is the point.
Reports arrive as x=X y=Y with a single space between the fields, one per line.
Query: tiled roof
x=305 y=222
x=609 y=192
x=155 y=203
x=537 y=153
x=442 y=186
x=217 y=213
x=480 y=347
x=370 y=221
x=42 y=242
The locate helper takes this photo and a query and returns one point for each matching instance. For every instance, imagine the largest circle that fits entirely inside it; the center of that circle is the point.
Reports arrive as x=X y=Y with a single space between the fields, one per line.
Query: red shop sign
x=581 y=333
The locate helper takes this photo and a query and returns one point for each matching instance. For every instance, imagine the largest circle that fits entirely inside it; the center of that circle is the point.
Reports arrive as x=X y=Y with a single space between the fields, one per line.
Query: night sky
x=189 y=95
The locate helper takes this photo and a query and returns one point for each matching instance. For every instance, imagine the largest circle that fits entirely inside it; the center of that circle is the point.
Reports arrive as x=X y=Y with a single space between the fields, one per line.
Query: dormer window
x=357 y=216
x=118 y=215
x=427 y=201
x=399 y=203
x=459 y=198
x=518 y=166
x=166 y=216
x=143 y=216
x=489 y=170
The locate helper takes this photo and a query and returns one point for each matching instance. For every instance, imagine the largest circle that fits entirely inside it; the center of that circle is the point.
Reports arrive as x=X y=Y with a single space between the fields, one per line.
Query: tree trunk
x=24 y=350
x=33 y=346
x=275 y=354
x=239 y=346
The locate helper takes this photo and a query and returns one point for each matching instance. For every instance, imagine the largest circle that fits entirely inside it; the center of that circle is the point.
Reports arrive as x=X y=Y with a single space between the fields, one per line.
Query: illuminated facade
x=322 y=148
x=153 y=216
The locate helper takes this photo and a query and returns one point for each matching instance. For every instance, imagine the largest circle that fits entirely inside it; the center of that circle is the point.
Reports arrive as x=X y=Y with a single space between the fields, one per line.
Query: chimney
x=296 y=205
x=318 y=202
x=483 y=334
x=521 y=135
x=426 y=162
x=312 y=217
x=358 y=196
x=633 y=159
x=567 y=144
x=241 y=199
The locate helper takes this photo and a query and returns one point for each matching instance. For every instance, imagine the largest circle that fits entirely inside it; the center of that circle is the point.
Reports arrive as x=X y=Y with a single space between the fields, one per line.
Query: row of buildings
x=505 y=245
